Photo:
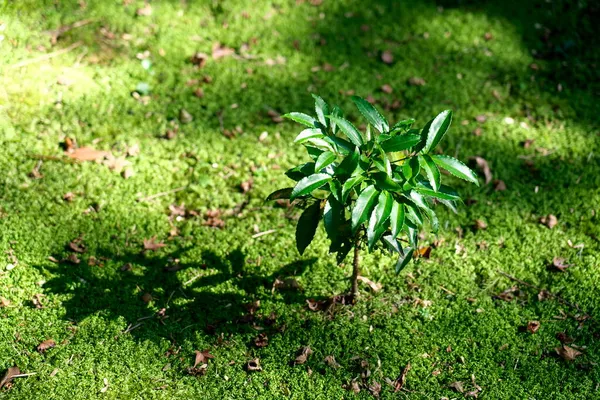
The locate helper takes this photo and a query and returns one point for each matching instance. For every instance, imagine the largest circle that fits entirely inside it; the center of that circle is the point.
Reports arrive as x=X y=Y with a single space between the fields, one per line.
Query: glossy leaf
x=320 y=143
x=332 y=217
x=348 y=164
x=324 y=160
x=336 y=112
x=307 y=185
x=392 y=244
x=371 y=114
x=307 y=226
x=379 y=219
x=444 y=192
x=336 y=189
x=302 y=118
x=363 y=206
x=456 y=168
x=411 y=168
x=284 y=193
x=349 y=130
x=397 y=218
x=401 y=142
x=384 y=182
x=321 y=109
x=435 y=130
x=308 y=134
x=402 y=126
x=350 y=184
x=301 y=171
x=404 y=259
x=343 y=146
x=431 y=170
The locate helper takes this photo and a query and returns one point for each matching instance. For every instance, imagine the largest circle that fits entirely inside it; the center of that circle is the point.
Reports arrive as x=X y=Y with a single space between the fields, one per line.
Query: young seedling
x=371 y=189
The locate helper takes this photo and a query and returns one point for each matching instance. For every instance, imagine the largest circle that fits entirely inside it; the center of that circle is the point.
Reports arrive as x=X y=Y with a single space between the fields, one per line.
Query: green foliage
x=355 y=184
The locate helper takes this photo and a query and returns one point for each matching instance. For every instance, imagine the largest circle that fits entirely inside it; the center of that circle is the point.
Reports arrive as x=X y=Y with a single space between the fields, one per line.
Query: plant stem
x=355 y=264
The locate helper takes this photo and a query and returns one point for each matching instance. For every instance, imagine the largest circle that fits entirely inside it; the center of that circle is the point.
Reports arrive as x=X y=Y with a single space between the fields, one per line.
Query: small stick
x=259 y=234
x=46 y=56
x=55 y=34
x=130 y=328
x=557 y=297
x=23 y=375
x=154 y=196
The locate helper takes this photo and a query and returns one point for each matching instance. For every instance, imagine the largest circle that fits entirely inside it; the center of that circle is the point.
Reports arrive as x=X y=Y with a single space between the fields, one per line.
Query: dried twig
x=154 y=196
x=46 y=56
x=259 y=234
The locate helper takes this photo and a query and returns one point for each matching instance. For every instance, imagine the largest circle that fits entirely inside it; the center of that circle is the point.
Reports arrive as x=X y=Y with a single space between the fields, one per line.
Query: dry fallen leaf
x=219 y=51
x=286 y=284
x=352 y=387
x=485 y=168
x=479 y=225
x=458 y=386
x=533 y=326
x=77 y=246
x=146 y=298
x=246 y=185
x=375 y=388
x=424 y=252
x=564 y=338
x=549 y=220
x=401 y=380
x=152 y=245
x=387 y=57
x=416 y=81
x=559 y=264
x=387 y=89
x=199 y=59
x=202 y=357
x=330 y=360
x=253 y=365
x=499 y=185
x=87 y=154
x=9 y=375
x=144 y=11
x=567 y=353
x=212 y=219
x=261 y=340
x=302 y=355
x=374 y=286
x=45 y=345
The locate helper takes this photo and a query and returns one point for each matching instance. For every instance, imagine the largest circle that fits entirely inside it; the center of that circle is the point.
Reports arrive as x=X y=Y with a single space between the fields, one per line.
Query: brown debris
x=152 y=245
x=212 y=219
x=483 y=165
x=253 y=365
x=6 y=380
x=387 y=89
x=567 y=353
x=330 y=360
x=302 y=355
x=533 y=326
x=401 y=379
x=549 y=220
x=387 y=57
x=416 y=81
x=559 y=264
x=46 y=345
x=87 y=154
x=220 y=51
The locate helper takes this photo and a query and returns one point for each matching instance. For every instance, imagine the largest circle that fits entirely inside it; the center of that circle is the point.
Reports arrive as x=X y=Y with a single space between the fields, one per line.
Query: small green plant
x=374 y=189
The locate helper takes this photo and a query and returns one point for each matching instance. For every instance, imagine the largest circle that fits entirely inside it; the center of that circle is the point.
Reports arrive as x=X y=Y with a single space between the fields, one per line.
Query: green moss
x=87 y=307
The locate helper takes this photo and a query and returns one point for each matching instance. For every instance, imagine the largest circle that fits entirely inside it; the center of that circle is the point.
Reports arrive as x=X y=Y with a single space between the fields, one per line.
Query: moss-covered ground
x=126 y=321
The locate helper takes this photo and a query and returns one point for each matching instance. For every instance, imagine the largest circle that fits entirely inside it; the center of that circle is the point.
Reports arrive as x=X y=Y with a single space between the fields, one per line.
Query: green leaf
x=307 y=226
x=379 y=218
x=363 y=207
x=343 y=146
x=301 y=171
x=392 y=243
x=319 y=143
x=349 y=130
x=303 y=119
x=412 y=232
x=324 y=160
x=348 y=164
x=284 y=193
x=456 y=168
x=402 y=126
x=336 y=112
x=322 y=109
x=444 y=192
x=414 y=215
x=350 y=184
x=435 y=130
x=308 y=134
x=371 y=114
x=449 y=204
x=424 y=206
x=401 y=142
x=397 y=218
x=384 y=182
x=432 y=171
x=404 y=259
x=411 y=168
x=336 y=189
x=333 y=217
x=308 y=184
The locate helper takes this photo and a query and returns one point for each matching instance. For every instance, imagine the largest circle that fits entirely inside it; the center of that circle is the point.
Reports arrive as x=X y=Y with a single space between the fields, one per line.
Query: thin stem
x=355 y=269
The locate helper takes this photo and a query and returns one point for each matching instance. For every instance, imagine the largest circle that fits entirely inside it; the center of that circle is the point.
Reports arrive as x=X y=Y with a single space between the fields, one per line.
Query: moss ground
x=535 y=76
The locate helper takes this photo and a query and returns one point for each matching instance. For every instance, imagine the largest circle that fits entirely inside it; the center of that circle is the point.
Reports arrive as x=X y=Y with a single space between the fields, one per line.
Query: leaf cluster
x=376 y=187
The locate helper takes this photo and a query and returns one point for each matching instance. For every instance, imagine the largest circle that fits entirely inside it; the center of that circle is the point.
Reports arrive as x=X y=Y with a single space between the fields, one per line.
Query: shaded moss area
x=132 y=318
